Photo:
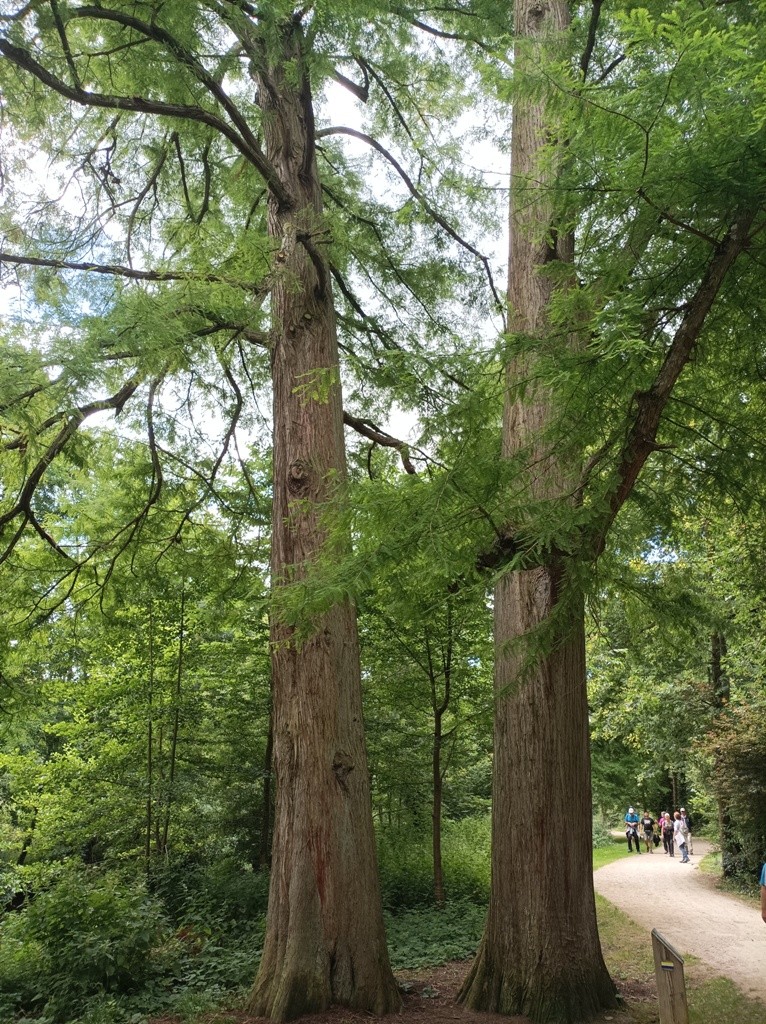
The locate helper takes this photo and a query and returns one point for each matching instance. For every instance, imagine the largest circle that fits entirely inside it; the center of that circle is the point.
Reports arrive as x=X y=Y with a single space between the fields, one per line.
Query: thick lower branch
x=649 y=405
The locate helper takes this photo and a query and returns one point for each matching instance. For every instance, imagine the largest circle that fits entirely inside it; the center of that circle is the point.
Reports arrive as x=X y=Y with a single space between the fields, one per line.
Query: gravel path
x=726 y=932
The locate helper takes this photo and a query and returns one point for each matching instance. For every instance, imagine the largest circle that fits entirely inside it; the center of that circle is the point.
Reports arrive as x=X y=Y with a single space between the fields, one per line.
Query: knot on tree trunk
x=298 y=479
x=342 y=765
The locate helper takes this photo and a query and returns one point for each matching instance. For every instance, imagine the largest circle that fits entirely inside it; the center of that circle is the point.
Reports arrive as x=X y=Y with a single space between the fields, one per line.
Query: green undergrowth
x=745 y=889
x=406 y=864
x=106 y=947
x=718 y=1000
x=428 y=936
x=711 y=864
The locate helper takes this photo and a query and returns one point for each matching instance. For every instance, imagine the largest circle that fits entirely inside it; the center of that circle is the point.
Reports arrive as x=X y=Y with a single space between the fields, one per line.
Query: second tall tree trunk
x=540 y=955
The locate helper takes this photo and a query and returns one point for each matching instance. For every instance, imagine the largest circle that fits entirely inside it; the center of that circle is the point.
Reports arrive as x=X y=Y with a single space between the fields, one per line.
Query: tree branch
x=116 y=402
x=246 y=144
x=362 y=92
x=417 y=194
x=373 y=433
x=595 y=14
x=649 y=405
x=128 y=272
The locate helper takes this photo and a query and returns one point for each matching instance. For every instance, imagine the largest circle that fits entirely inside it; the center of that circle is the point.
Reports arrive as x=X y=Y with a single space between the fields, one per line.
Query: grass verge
x=627 y=951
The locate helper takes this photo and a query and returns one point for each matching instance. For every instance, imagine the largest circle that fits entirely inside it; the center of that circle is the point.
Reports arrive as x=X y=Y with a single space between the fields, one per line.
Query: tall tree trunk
x=439 y=710
x=159 y=761
x=325 y=941
x=540 y=955
x=436 y=812
x=149 y=744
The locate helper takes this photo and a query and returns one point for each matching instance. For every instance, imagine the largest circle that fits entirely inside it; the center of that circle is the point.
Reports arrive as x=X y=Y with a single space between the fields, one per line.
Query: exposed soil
x=656 y=892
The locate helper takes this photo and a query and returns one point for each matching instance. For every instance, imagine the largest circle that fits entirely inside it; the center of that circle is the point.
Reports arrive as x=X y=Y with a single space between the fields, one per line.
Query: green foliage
x=602 y=836
x=85 y=932
x=406 y=864
x=91 y=943
x=213 y=897
x=428 y=936
x=736 y=749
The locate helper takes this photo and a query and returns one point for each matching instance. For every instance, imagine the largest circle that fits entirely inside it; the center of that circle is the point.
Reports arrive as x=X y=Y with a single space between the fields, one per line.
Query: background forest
x=142 y=599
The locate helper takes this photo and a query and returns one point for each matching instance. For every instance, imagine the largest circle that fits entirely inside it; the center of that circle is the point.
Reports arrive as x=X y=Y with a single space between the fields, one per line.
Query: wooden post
x=671 y=988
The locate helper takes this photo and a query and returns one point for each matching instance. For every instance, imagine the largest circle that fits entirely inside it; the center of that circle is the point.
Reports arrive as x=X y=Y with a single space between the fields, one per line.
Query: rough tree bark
x=540 y=955
x=325 y=941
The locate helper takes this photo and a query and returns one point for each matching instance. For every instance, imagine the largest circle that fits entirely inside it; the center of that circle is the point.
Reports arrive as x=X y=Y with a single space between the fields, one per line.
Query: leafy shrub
x=406 y=869
x=87 y=932
x=466 y=859
x=736 y=767
x=219 y=896
x=406 y=864
x=21 y=963
x=602 y=835
x=433 y=935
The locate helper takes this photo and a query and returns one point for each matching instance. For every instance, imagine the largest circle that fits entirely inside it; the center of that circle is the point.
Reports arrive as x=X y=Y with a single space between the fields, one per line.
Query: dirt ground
x=428 y=997
x=656 y=892
x=683 y=904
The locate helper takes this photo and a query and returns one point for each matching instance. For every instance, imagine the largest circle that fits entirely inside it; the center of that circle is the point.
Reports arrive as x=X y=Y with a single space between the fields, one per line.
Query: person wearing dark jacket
x=647 y=831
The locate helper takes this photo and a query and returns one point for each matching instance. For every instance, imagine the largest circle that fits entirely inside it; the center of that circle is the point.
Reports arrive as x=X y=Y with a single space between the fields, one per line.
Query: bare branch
x=595 y=14
x=362 y=92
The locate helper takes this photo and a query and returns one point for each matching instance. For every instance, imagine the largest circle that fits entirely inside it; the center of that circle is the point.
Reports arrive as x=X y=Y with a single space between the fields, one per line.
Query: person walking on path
x=686 y=828
x=647 y=830
x=763 y=893
x=680 y=839
x=666 y=827
x=631 y=829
